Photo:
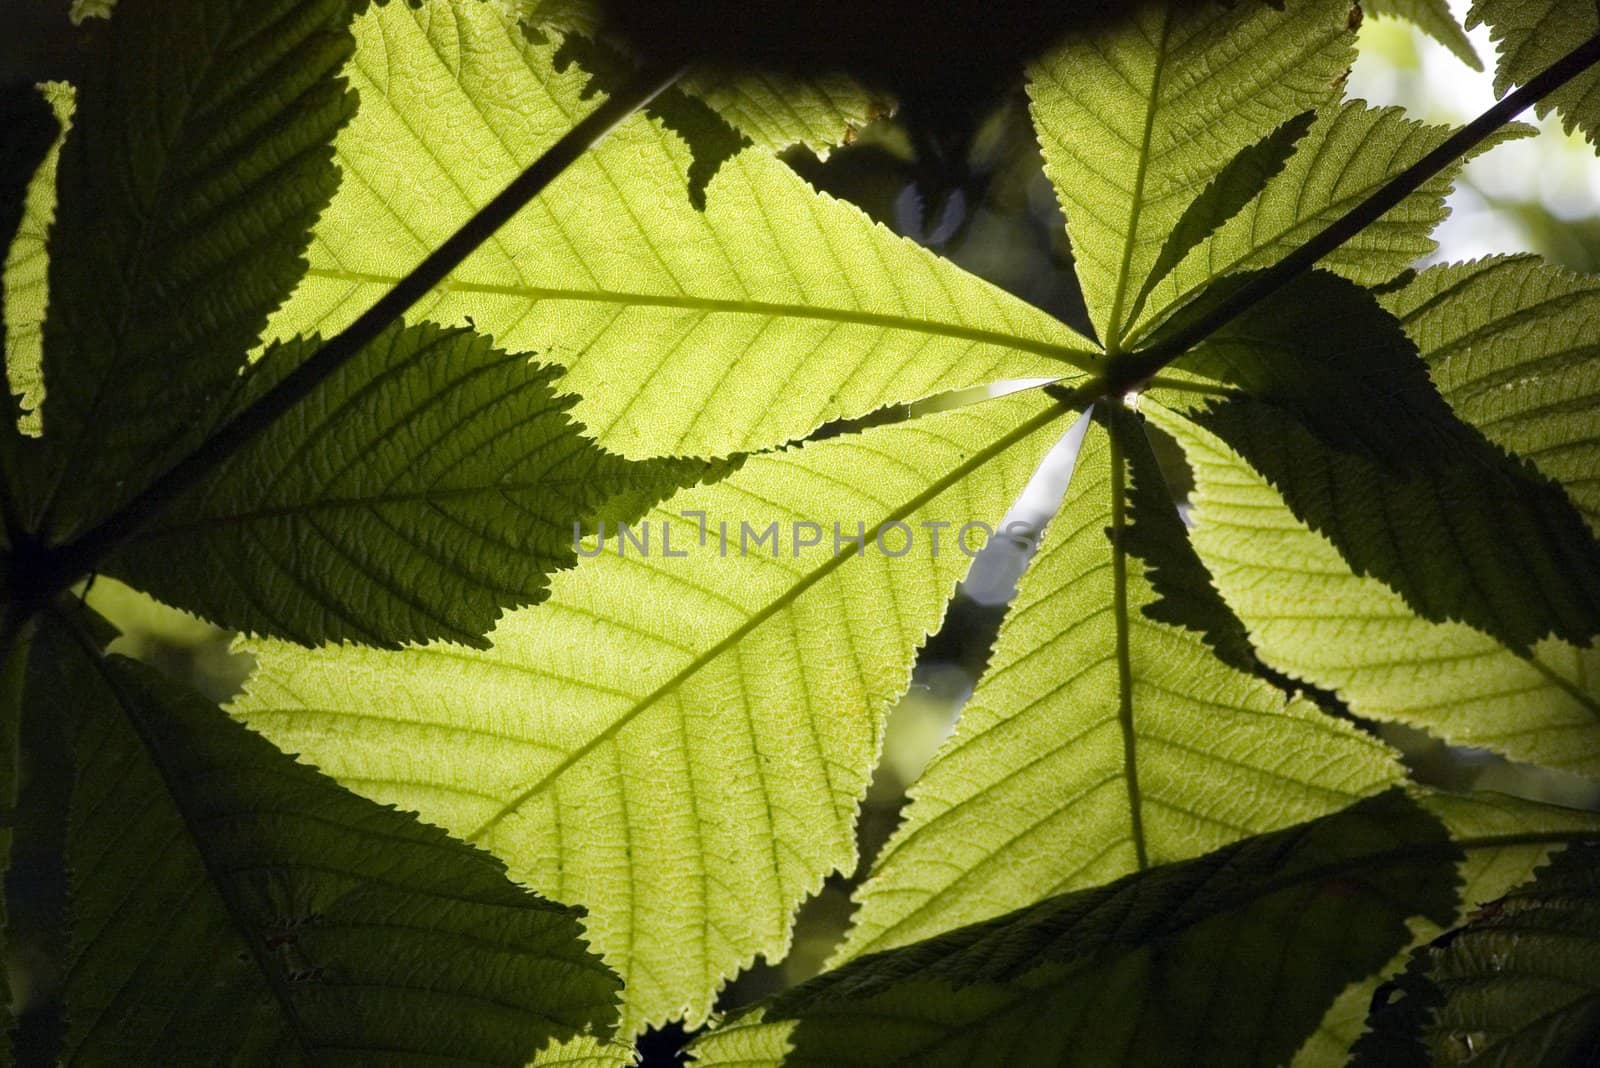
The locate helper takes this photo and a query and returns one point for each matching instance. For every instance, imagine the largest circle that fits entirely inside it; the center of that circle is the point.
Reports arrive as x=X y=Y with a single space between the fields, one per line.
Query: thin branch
x=84 y=553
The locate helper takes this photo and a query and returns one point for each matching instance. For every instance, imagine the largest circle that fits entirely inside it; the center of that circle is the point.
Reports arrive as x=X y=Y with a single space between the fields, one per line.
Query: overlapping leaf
x=1341 y=417
x=771 y=312
x=1508 y=840
x=1239 y=182
x=1517 y=984
x=1311 y=617
x=1102 y=740
x=1531 y=35
x=1512 y=344
x=186 y=192
x=679 y=742
x=428 y=484
x=1136 y=121
x=231 y=905
x=1200 y=962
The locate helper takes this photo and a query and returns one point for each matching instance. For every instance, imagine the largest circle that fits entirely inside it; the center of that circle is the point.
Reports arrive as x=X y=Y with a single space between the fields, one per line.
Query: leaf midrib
x=1115 y=328
x=336 y=504
x=770 y=609
x=1119 y=572
x=1083 y=357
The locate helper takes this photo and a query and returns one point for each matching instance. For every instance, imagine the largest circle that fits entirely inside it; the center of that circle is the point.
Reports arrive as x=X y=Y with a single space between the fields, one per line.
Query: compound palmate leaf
x=1311 y=617
x=679 y=742
x=772 y=311
x=1507 y=840
x=1196 y=963
x=231 y=906
x=1138 y=120
x=186 y=191
x=1101 y=740
x=427 y=484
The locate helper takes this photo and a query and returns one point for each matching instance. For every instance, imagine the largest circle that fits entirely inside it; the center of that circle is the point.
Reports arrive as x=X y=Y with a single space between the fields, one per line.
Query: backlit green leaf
x=1102 y=741
x=27 y=265
x=1138 y=119
x=679 y=742
x=1311 y=617
x=684 y=332
x=1530 y=36
x=1432 y=17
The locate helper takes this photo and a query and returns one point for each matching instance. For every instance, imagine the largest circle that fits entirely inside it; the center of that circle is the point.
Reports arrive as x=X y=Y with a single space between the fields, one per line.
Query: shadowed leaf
x=428 y=484
x=198 y=158
x=1519 y=983
x=230 y=905
x=1514 y=346
x=1343 y=419
x=1313 y=618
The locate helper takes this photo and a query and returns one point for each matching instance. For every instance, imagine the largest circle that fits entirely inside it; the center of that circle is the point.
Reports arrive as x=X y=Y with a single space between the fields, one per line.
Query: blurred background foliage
x=971 y=187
